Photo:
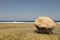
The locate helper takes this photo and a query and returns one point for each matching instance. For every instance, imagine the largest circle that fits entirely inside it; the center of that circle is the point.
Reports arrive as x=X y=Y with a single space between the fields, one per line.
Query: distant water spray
x=24 y=22
x=16 y=22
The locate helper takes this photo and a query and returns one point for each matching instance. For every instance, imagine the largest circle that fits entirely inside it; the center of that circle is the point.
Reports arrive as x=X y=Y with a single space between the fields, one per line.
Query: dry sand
x=23 y=31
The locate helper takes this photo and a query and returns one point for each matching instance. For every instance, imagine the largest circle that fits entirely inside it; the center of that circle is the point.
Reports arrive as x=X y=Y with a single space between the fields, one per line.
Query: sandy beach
x=25 y=31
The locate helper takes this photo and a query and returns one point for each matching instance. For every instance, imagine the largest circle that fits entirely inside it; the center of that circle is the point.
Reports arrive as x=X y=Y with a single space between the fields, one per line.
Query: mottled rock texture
x=44 y=24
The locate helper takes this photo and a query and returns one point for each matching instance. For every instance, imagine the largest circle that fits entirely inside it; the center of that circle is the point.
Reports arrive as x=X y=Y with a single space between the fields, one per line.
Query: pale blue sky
x=29 y=9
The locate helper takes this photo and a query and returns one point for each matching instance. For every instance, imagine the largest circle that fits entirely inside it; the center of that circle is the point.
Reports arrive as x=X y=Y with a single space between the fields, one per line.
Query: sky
x=29 y=9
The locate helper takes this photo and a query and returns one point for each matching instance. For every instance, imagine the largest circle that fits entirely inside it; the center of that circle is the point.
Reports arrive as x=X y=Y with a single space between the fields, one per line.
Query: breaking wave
x=16 y=22
x=24 y=22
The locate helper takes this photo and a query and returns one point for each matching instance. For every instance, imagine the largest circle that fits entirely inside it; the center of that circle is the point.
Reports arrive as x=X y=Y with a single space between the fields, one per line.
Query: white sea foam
x=16 y=22
x=58 y=22
x=24 y=22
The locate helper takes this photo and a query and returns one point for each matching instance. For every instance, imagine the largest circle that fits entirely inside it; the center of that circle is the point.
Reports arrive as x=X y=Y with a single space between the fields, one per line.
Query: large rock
x=44 y=24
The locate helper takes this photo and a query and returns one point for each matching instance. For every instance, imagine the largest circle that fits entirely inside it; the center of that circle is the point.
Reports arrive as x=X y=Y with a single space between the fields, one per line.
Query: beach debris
x=44 y=24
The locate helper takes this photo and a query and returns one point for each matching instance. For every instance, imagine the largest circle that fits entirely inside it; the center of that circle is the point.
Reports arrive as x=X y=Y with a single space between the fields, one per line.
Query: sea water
x=24 y=22
x=16 y=22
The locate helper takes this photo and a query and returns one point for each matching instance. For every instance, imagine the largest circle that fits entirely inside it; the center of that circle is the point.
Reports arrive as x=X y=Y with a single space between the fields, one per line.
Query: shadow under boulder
x=43 y=30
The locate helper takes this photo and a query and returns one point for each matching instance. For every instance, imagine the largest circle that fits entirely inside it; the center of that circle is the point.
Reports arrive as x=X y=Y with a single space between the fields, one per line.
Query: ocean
x=16 y=22
x=25 y=22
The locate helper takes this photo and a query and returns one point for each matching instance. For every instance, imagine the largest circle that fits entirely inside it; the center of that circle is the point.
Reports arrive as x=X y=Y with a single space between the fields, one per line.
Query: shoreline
x=25 y=22
x=16 y=22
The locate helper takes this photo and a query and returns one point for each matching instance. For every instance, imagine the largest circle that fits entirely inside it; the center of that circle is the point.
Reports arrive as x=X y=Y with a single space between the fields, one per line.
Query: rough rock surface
x=44 y=24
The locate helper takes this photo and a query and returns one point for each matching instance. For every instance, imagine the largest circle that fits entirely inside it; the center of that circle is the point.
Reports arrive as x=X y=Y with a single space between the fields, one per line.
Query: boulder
x=44 y=24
